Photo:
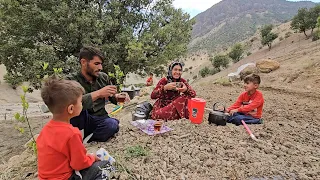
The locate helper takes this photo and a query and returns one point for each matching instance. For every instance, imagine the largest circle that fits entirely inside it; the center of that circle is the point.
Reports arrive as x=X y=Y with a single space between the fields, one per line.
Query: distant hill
x=231 y=21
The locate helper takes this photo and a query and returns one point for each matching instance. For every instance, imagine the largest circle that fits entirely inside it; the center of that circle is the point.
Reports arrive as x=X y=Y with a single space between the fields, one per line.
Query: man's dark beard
x=90 y=72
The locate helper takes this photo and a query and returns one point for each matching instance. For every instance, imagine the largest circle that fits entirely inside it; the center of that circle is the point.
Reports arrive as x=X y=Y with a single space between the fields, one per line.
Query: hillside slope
x=232 y=21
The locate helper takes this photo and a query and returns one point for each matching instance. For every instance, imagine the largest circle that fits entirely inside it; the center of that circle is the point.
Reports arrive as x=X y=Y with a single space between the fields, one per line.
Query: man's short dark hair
x=88 y=52
x=254 y=78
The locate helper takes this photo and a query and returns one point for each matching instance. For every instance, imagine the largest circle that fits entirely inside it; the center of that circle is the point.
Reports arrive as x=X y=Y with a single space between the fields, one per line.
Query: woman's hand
x=183 y=89
x=170 y=86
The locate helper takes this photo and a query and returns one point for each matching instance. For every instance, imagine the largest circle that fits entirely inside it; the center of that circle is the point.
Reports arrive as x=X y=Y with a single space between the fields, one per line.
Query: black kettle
x=218 y=117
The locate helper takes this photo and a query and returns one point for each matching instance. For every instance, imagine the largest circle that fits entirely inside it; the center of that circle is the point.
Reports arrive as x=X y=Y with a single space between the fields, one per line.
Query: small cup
x=157 y=126
x=122 y=98
x=178 y=85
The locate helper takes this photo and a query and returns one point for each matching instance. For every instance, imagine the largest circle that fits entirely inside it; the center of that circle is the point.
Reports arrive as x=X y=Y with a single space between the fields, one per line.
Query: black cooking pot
x=218 y=117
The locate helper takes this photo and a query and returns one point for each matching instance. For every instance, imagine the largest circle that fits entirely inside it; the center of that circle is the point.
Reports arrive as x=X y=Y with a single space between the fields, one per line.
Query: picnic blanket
x=149 y=127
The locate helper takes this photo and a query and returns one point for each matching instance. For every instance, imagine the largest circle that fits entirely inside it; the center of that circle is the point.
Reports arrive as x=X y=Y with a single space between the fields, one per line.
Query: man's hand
x=107 y=91
x=233 y=111
x=170 y=86
x=183 y=89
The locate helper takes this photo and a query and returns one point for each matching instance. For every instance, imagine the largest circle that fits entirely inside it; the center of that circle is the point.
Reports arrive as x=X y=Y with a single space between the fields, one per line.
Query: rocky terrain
x=289 y=139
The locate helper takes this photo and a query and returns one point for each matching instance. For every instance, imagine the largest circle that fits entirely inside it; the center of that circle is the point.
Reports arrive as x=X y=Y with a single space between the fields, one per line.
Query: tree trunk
x=269 y=45
x=305 y=34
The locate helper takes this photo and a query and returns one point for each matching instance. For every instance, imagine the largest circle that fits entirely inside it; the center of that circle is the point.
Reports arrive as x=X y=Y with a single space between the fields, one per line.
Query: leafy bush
x=195 y=77
x=190 y=67
x=249 y=53
x=223 y=82
x=287 y=35
x=280 y=38
x=204 y=72
x=118 y=76
x=306 y=19
x=214 y=71
x=220 y=61
x=236 y=52
x=30 y=33
x=13 y=80
x=267 y=37
x=23 y=118
x=316 y=36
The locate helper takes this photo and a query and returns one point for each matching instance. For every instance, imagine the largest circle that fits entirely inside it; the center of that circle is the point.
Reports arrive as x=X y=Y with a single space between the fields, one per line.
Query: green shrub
x=236 y=52
x=214 y=71
x=12 y=80
x=220 y=61
x=195 y=77
x=280 y=38
x=190 y=67
x=249 y=53
x=223 y=82
x=316 y=35
x=186 y=70
x=288 y=34
x=204 y=72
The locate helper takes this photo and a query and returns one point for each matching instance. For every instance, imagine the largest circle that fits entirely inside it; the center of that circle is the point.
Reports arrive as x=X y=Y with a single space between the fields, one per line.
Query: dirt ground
x=289 y=139
x=289 y=146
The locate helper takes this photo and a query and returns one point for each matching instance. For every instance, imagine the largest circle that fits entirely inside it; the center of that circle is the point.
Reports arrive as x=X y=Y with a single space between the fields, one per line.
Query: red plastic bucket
x=196 y=110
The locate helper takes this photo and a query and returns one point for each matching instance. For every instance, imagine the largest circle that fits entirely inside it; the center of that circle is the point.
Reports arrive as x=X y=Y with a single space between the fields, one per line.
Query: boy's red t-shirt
x=60 y=151
x=149 y=80
x=254 y=108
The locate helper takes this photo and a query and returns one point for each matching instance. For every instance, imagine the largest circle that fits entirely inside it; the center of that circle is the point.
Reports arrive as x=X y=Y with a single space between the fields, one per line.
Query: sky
x=194 y=7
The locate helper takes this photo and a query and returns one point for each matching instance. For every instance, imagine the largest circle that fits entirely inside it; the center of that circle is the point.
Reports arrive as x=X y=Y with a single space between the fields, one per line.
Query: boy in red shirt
x=150 y=80
x=59 y=145
x=249 y=104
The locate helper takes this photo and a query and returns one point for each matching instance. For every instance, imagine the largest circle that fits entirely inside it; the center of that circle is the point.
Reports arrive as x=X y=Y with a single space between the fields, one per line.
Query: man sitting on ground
x=98 y=88
x=249 y=104
x=59 y=145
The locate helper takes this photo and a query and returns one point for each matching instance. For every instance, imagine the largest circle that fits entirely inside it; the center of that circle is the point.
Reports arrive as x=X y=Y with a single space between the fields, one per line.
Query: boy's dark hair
x=57 y=94
x=254 y=78
x=88 y=52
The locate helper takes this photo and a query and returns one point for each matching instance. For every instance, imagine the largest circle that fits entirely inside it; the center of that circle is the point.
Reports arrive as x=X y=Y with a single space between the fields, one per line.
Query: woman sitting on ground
x=172 y=94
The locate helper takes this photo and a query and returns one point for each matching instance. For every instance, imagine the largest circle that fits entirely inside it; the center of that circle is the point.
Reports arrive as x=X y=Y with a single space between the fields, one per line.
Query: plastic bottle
x=103 y=155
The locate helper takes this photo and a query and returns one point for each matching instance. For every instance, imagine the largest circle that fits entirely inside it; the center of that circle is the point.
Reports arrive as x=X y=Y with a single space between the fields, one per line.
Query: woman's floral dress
x=171 y=105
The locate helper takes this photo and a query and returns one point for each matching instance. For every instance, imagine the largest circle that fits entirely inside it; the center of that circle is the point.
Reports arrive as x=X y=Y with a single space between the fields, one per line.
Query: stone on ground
x=267 y=65
x=248 y=70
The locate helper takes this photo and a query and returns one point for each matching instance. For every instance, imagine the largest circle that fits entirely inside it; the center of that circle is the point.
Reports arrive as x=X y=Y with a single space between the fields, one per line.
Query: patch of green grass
x=280 y=38
x=136 y=151
x=223 y=82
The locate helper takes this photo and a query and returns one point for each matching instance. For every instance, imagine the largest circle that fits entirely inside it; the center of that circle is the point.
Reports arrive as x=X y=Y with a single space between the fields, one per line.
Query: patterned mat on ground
x=148 y=127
